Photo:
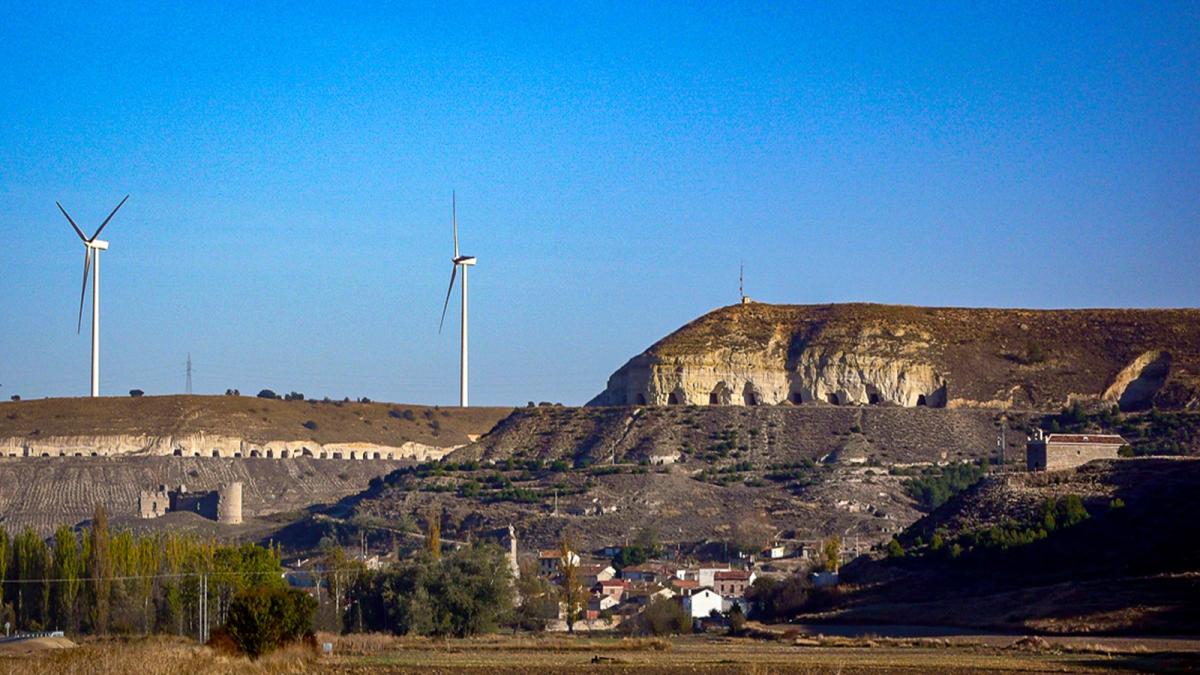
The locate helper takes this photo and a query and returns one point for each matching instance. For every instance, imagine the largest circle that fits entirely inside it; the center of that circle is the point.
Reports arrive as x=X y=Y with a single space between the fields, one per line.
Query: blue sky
x=291 y=165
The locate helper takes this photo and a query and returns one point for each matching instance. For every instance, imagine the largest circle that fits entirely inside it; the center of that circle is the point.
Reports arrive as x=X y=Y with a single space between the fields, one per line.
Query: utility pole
x=189 y=373
x=1001 y=441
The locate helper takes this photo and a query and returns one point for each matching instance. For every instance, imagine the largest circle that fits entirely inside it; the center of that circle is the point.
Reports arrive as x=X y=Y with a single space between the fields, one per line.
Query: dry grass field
x=696 y=654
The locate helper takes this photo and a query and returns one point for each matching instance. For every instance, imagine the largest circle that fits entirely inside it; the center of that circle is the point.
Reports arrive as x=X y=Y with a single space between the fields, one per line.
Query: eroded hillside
x=236 y=426
x=911 y=356
x=740 y=476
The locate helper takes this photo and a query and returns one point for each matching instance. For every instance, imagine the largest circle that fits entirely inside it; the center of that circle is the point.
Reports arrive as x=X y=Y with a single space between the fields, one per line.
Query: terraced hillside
x=733 y=475
x=763 y=435
x=44 y=492
x=868 y=354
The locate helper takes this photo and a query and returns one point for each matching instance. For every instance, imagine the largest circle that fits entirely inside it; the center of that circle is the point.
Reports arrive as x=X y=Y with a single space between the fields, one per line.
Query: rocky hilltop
x=867 y=354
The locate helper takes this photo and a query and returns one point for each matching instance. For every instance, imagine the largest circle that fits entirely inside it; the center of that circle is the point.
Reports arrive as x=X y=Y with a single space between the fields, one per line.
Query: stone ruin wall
x=210 y=445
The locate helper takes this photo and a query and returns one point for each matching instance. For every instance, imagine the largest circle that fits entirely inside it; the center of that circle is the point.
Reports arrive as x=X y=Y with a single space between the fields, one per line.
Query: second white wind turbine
x=457 y=261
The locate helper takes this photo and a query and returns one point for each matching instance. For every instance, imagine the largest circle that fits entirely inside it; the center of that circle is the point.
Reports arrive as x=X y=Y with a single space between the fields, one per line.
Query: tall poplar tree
x=99 y=571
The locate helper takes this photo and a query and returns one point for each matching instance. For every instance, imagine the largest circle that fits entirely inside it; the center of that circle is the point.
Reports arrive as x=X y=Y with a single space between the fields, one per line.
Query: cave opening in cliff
x=749 y=396
x=179 y=452
x=921 y=400
x=873 y=398
x=216 y=453
x=673 y=399
x=641 y=399
x=797 y=397
x=833 y=398
x=721 y=394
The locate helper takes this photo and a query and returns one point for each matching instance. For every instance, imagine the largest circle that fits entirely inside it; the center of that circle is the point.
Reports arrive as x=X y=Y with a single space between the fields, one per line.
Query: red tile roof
x=1101 y=439
x=732 y=575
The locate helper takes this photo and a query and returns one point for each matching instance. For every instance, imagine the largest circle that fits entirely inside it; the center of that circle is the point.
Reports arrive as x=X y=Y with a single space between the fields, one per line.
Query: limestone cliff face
x=756 y=354
x=209 y=445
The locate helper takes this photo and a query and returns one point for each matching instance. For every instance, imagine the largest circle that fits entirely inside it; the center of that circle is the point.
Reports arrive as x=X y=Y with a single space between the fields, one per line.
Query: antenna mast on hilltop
x=742 y=283
x=189 y=373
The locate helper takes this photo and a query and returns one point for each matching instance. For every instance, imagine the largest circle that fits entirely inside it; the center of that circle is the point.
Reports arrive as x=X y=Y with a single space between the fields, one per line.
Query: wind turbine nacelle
x=99 y=244
x=465 y=260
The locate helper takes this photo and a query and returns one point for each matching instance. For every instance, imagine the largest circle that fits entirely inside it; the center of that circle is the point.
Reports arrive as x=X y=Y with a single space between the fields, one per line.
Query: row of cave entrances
x=721 y=396
x=284 y=454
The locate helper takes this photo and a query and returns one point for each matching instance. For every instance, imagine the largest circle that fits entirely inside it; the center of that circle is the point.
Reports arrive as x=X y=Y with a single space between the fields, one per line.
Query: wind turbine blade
x=114 y=212
x=72 y=222
x=87 y=260
x=453 y=273
x=454 y=218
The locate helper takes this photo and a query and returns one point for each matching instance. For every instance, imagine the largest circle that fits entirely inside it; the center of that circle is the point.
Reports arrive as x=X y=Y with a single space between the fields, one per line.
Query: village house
x=642 y=593
x=598 y=603
x=684 y=587
x=773 y=552
x=702 y=604
x=655 y=572
x=550 y=561
x=612 y=587
x=733 y=583
x=705 y=575
x=1066 y=451
x=590 y=575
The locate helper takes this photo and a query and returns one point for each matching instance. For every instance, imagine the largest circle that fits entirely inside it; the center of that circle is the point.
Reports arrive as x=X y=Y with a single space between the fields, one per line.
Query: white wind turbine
x=463 y=261
x=91 y=258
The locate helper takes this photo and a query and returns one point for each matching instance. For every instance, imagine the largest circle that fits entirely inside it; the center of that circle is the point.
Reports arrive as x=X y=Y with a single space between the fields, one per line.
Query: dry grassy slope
x=44 y=492
x=977 y=350
x=770 y=434
x=254 y=419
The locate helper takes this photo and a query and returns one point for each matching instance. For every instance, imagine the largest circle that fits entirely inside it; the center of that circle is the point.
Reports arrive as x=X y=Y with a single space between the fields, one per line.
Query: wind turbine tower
x=463 y=261
x=91 y=258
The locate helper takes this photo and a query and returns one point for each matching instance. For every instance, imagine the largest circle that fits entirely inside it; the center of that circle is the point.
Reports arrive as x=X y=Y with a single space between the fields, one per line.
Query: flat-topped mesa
x=866 y=354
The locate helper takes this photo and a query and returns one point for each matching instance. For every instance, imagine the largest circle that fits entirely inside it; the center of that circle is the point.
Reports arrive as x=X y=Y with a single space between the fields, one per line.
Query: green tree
x=572 y=592
x=5 y=553
x=895 y=549
x=473 y=590
x=833 y=553
x=263 y=618
x=537 y=599
x=99 y=571
x=69 y=568
x=30 y=566
x=664 y=616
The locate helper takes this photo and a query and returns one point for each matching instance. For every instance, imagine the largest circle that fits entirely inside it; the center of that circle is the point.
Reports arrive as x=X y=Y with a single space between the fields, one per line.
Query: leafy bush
x=664 y=616
x=464 y=593
x=267 y=393
x=136 y=393
x=262 y=619
x=936 y=486
x=310 y=425
x=779 y=599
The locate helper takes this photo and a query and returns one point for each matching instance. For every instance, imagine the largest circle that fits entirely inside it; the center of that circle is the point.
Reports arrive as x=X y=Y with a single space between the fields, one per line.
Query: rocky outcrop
x=1136 y=385
x=752 y=354
x=210 y=445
